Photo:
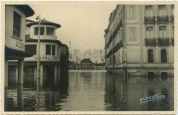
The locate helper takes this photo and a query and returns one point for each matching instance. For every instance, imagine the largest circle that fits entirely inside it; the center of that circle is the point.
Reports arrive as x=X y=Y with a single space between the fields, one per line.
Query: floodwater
x=99 y=91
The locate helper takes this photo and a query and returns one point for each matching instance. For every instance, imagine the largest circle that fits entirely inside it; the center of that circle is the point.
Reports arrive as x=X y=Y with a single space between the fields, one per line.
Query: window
x=131 y=11
x=161 y=10
x=149 y=10
x=132 y=34
x=150 y=75
x=30 y=49
x=16 y=25
x=50 y=49
x=162 y=31
x=41 y=30
x=50 y=31
x=150 y=55
x=149 y=32
x=163 y=56
x=164 y=75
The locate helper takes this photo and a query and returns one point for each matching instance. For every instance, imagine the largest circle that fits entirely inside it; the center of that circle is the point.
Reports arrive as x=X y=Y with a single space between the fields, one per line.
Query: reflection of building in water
x=125 y=94
x=139 y=38
x=116 y=93
x=53 y=56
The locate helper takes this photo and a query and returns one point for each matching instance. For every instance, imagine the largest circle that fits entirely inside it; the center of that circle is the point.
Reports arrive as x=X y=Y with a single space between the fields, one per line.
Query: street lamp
x=38 y=61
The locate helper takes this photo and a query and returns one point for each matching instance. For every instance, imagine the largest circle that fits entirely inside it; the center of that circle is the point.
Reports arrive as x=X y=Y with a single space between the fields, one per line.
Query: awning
x=12 y=54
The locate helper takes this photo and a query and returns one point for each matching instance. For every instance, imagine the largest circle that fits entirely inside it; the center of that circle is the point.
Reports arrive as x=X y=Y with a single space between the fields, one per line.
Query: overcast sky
x=83 y=23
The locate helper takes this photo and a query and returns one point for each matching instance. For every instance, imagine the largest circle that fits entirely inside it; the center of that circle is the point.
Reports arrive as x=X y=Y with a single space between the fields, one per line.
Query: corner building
x=53 y=56
x=140 y=40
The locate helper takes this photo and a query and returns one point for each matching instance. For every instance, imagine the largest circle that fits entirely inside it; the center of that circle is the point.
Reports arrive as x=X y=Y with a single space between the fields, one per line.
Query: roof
x=26 y=9
x=44 y=22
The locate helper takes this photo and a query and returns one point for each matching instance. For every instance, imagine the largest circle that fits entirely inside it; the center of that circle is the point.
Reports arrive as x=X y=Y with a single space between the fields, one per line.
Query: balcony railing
x=163 y=41
x=150 y=41
x=172 y=41
x=149 y=19
x=162 y=19
x=172 y=19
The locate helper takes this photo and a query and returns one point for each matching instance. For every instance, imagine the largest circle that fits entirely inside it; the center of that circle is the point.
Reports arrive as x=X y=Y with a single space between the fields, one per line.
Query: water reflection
x=97 y=91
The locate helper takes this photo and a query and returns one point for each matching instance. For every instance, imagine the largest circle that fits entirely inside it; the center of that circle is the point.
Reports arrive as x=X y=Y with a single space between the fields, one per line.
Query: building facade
x=15 y=39
x=140 y=40
x=53 y=56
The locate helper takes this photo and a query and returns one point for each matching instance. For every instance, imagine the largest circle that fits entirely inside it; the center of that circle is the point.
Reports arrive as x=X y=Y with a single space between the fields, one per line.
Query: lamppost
x=38 y=61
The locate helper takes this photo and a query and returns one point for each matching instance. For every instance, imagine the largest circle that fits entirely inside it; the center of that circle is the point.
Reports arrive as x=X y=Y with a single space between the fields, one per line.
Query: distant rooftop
x=26 y=9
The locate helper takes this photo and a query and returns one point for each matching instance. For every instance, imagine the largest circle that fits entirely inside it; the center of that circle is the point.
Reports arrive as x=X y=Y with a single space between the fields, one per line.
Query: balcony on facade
x=159 y=41
x=149 y=20
x=172 y=19
x=150 y=41
x=114 y=34
x=163 y=41
x=162 y=19
x=114 y=49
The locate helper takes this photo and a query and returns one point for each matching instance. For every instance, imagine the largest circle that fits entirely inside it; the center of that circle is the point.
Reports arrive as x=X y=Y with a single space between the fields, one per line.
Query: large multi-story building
x=140 y=39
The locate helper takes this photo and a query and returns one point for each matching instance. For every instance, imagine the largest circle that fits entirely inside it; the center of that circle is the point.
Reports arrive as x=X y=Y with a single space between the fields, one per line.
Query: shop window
x=50 y=49
x=30 y=49
x=163 y=56
x=50 y=31
x=41 y=30
x=16 y=25
x=150 y=55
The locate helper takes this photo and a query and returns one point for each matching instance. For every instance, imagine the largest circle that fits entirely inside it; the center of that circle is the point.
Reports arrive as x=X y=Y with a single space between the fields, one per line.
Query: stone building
x=140 y=40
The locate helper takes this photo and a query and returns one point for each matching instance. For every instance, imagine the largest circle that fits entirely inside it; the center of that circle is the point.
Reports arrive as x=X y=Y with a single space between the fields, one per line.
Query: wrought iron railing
x=150 y=41
x=163 y=41
x=162 y=19
x=149 y=20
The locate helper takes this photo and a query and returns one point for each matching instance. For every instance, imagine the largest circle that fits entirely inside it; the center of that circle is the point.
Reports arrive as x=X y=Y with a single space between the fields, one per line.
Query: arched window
x=150 y=55
x=163 y=56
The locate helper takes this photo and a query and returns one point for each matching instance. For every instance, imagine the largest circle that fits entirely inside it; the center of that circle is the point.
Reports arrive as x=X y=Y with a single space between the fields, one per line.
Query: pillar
x=20 y=83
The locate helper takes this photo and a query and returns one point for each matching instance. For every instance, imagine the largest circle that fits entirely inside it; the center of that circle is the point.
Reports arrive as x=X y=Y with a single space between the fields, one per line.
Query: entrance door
x=48 y=76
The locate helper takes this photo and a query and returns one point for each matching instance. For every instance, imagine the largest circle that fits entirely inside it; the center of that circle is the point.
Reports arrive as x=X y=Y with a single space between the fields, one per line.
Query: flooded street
x=99 y=91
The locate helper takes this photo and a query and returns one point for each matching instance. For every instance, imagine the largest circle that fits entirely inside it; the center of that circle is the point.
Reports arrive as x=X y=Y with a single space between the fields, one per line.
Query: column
x=20 y=83
x=41 y=76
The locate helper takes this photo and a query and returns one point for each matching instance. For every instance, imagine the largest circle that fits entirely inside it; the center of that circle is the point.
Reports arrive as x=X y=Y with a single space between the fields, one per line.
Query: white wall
x=10 y=40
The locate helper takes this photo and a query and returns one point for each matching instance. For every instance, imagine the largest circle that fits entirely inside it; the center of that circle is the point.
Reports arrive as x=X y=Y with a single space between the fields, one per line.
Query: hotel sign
x=47 y=58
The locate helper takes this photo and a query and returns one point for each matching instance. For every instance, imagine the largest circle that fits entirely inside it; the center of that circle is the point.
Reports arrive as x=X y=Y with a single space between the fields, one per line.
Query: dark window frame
x=163 y=56
x=31 y=48
x=150 y=56
x=17 y=22
x=42 y=30
x=48 y=29
x=50 y=49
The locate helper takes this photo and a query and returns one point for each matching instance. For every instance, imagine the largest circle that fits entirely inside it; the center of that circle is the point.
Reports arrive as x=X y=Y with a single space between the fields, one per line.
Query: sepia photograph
x=88 y=56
